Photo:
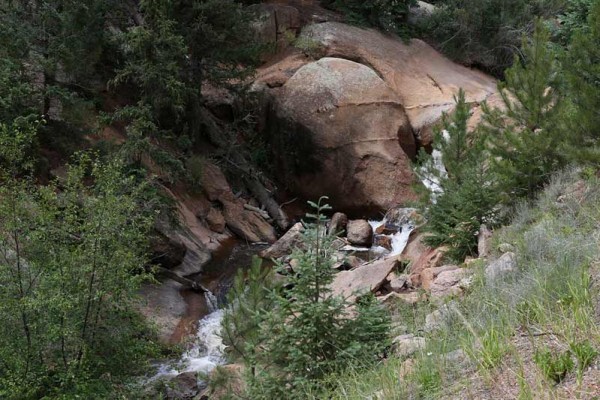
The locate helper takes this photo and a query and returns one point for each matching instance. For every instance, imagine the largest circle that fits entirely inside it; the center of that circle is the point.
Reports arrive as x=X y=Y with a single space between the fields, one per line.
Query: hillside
x=292 y=199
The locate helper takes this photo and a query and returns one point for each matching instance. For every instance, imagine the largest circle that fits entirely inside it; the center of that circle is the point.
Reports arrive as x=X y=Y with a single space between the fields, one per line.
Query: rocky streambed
x=365 y=243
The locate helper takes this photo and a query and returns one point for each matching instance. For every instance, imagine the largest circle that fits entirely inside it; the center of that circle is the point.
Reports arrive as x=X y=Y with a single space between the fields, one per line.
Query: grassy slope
x=513 y=331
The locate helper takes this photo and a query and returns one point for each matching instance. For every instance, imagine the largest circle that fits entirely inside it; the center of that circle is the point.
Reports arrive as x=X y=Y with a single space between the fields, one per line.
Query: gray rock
x=363 y=279
x=360 y=232
x=393 y=298
x=286 y=244
x=506 y=247
x=451 y=283
x=483 y=241
x=457 y=358
x=439 y=318
x=500 y=268
x=183 y=386
x=420 y=11
x=399 y=283
x=407 y=345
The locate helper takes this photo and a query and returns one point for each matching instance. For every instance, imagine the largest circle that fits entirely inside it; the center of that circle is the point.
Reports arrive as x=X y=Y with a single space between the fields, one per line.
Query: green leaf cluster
x=72 y=255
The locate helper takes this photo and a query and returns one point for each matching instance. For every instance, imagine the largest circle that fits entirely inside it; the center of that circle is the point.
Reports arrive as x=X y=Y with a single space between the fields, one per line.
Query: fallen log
x=187 y=283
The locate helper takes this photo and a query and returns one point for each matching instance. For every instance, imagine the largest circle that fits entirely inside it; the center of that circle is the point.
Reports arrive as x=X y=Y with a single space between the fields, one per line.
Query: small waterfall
x=400 y=239
x=432 y=180
x=206 y=352
x=211 y=301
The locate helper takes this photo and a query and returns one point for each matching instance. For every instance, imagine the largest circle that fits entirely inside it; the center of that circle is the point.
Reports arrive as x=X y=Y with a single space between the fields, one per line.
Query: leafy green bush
x=73 y=258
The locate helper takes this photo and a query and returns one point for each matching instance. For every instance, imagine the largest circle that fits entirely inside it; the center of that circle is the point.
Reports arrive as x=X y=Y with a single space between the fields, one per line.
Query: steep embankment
x=525 y=325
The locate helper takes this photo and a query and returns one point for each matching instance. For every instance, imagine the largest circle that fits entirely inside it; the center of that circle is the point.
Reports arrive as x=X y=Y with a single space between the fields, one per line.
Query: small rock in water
x=403 y=216
x=387 y=229
x=183 y=386
x=383 y=241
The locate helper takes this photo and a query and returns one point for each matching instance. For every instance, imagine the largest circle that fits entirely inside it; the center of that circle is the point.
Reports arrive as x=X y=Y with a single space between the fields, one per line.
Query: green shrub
x=389 y=15
x=493 y=348
x=74 y=256
x=525 y=136
x=485 y=33
x=554 y=366
x=585 y=354
x=194 y=167
x=427 y=376
x=468 y=197
x=582 y=75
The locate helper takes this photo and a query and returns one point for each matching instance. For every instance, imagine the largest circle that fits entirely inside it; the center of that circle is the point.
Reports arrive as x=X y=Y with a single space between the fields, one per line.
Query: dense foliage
x=486 y=33
x=73 y=250
x=73 y=247
x=389 y=15
x=526 y=134
x=582 y=73
x=72 y=256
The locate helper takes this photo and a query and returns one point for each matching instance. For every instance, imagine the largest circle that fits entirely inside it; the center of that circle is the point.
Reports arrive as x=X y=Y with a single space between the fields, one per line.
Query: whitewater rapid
x=206 y=351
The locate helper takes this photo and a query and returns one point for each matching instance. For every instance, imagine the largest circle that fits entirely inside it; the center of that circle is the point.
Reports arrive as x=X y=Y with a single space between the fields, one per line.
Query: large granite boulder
x=339 y=130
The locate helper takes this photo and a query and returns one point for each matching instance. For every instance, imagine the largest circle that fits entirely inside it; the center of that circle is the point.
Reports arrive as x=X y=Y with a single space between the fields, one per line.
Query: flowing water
x=206 y=348
x=399 y=240
x=432 y=180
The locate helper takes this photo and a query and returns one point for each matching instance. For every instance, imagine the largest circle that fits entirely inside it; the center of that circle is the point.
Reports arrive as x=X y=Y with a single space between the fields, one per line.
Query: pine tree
x=241 y=322
x=303 y=331
x=582 y=71
x=526 y=135
x=467 y=195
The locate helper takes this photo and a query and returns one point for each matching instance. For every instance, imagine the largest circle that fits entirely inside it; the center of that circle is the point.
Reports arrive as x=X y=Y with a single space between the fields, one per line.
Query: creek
x=200 y=327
